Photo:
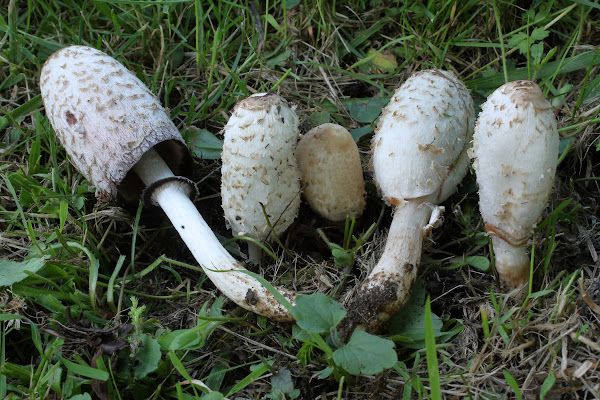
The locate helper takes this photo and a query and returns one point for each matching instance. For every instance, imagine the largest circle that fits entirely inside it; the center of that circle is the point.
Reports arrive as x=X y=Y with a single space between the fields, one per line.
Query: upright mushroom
x=419 y=157
x=259 y=169
x=332 y=176
x=117 y=133
x=515 y=147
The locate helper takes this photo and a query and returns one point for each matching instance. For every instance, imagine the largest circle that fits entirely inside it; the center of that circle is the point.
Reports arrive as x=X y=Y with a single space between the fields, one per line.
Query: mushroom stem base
x=512 y=263
x=387 y=287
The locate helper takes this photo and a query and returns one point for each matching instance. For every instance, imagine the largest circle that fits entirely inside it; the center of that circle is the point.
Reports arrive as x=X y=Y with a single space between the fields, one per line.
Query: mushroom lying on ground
x=419 y=157
x=332 y=176
x=259 y=169
x=515 y=148
x=114 y=128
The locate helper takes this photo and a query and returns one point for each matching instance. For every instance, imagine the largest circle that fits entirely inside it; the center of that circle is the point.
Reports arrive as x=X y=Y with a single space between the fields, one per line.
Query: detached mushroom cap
x=259 y=167
x=106 y=97
x=331 y=171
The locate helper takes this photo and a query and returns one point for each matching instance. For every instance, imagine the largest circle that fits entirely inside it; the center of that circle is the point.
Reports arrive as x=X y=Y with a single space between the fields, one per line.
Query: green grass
x=104 y=300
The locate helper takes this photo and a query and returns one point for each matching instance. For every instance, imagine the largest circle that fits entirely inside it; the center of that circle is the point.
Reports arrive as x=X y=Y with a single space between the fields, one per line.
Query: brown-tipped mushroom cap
x=332 y=176
x=86 y=91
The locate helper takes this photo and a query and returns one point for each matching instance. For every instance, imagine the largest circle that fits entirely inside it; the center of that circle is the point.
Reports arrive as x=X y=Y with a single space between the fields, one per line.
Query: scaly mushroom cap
x=515 y=147
x=86 y=92
x=411 y=160
x=332 y=176
x=259 y=167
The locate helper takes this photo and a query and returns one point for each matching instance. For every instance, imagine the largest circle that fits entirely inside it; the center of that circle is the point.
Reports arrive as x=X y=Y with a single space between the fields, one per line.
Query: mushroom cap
x=515 y=147
x=331 y=171
x=259 y=167
x=106 y=119
x=419 y=146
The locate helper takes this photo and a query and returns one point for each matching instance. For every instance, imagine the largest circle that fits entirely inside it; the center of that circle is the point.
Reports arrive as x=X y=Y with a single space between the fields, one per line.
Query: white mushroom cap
x=259 y=167
x=411 y=160
x=332 y=176
x=86 y=92
x=515 y=147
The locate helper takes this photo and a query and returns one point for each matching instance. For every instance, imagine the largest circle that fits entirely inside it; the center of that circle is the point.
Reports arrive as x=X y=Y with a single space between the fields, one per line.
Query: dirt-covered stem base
x=388 y=285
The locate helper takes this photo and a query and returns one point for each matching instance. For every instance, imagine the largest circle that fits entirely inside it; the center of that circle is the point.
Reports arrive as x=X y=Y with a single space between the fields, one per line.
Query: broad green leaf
x=317 y=313
x=360 y=132
x=14 y=271
x=479 y=262
x=147 y=355
x=205 y=145
x=341 y=257
x=319 y=118
x=179 y=340
x=85 y=370
x=283 y=381
x=365 y=110
x=366 y=354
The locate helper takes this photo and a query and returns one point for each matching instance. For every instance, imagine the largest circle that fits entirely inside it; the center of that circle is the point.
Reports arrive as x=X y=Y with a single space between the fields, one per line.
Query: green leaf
x=365 y=110
x=85 y=370
x=366 y=354
x=283 y=381
x=319 y=118
x=205 y=145
x=547 y=385
x=147 y=355
x=431 y=352
x=513 y=384
x=538 y=34
x=360 y=132
x=251 y=378
x=342 y=257
x=14 y=271
x=479 y=262
x=317 y=313
x=179 y=340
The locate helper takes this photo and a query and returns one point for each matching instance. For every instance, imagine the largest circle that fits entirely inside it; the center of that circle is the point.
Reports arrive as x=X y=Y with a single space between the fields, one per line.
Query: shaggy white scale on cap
x=419 y=157
x=515 y=148
x=332 y=176
x=259 y=167
x=86 y=91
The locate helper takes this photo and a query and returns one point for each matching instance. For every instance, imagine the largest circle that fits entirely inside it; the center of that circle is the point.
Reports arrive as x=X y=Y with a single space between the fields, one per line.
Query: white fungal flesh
x=220 y=267
x=419 y=157
x=515 y=148
x=332 y=176
x=86 y=91
x=259 y=168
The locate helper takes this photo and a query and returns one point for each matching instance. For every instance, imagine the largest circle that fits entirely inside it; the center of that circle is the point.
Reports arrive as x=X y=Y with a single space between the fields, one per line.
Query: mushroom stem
x=220 y=267
x=512 y=262
x=386 y=289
